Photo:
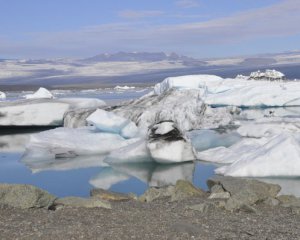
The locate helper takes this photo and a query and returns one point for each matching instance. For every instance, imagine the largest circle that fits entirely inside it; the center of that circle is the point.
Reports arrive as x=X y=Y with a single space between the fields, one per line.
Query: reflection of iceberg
x=108 y=177
x=38 y=165
x=13 y=142
x=155 y=175
x=288 y=185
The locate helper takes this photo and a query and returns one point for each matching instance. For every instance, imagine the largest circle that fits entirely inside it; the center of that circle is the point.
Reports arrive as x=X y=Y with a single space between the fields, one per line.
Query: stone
x=296 y=210
x=244 y=191
x=219 y=195
x=25 y=196
x=289 y=201
x=82 y=202
x=102 y=194
x=271 y=202
x=217 y=189
x=248 y=209
x=202 y=207
x=155 y=193
x=185 y=189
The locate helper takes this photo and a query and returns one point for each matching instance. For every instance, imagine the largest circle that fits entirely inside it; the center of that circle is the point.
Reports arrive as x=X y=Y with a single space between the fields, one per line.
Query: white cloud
x=187 y=3
x=132 y=14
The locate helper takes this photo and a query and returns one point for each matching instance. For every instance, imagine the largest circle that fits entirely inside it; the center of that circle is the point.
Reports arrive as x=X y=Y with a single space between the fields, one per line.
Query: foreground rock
x=102 y=194
x=82 y=202
x=25 y=196
x=167 y=144
x=243 y=192
x=182 y=190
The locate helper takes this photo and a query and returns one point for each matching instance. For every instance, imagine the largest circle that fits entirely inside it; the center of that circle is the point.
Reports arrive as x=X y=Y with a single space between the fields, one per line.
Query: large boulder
x=25 y=196
x=244 y=191
x=167 y=144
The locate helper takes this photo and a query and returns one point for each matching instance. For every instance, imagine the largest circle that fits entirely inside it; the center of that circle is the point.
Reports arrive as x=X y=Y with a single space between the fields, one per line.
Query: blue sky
x=198 y=28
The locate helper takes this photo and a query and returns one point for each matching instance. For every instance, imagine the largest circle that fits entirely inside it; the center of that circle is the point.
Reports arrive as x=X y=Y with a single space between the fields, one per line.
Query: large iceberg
x=185 y=108
x=41 y=112
x=69 y=142
x=280 y=156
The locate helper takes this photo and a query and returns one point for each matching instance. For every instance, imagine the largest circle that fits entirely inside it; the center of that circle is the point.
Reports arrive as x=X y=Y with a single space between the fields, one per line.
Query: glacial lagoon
x=77 y=176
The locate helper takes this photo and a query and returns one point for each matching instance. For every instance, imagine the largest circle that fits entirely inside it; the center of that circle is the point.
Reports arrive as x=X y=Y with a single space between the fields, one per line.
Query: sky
x=196 y=28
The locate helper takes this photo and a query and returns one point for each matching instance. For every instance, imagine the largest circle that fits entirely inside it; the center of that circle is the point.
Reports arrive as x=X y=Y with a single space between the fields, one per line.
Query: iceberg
x=110 y=122
x=70 y=142
x=41 y=112
x=40 y=93
x=279 y=156
x=167 y=144
x=187 y=82
x=2 y=96
x=185 y=108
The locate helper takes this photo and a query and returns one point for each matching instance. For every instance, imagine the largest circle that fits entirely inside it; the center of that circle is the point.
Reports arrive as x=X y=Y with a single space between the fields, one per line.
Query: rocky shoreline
x=233 y=208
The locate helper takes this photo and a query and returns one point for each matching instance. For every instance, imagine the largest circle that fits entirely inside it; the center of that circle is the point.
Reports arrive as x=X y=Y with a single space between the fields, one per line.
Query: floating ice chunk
x=2 y=96
x=170 y=147
x=228 y=155
x=40 y=93
x=78 y=103
x=206 y=139
x=133 y=153
x=271 y=75
x=38 y=112
x=280 y=156
x=123 y=88
x=251 y=93
x=187 y=82
x=68 y=142
x=110 y=122
x=258 y=130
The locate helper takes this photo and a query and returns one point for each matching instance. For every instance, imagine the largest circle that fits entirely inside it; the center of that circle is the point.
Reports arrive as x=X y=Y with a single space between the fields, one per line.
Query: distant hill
x=143 y=57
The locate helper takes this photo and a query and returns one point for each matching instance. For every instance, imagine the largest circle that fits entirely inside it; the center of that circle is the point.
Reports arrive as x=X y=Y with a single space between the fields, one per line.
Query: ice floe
x=2 y=96
x=69 y=142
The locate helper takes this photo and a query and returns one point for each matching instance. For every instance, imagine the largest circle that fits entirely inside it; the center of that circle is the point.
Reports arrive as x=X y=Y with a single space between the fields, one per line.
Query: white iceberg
x=123 y=87
x=280 y=157
x=37 y=112
x=2 y=96
x=271 y=75
x=40 y=93
x=41 y=112
x=166 y=144
x=187 y=82
x=69 y=142
x=134 y=153
x=110 y=122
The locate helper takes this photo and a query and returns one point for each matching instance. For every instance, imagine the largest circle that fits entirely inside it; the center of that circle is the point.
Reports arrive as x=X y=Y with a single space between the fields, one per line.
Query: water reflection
x=76 y=176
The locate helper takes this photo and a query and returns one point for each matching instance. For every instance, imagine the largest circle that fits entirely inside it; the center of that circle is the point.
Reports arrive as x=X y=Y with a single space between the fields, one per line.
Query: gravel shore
x=160 y=219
